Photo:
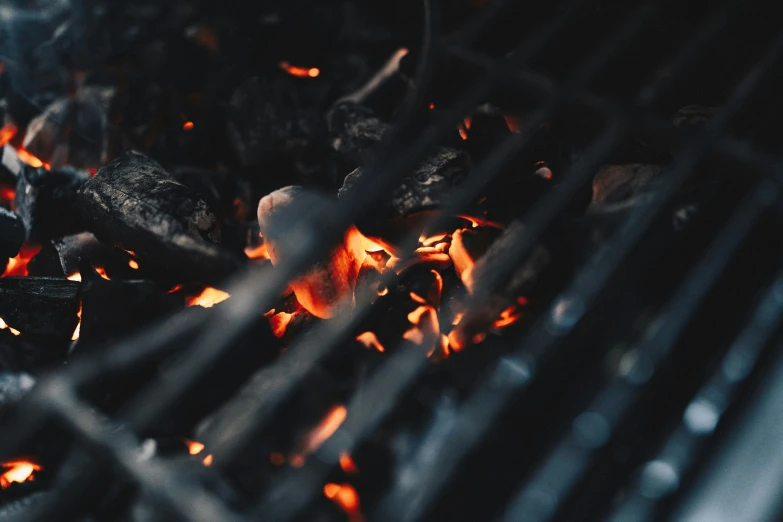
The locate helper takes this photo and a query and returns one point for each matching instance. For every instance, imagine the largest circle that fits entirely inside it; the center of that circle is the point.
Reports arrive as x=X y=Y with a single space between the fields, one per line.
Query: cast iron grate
x=547 y=433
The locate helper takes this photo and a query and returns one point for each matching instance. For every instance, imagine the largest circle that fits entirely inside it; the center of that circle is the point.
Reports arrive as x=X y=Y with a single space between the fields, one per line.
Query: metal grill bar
x=255 y=291
x=513 y=374
x=661 y=476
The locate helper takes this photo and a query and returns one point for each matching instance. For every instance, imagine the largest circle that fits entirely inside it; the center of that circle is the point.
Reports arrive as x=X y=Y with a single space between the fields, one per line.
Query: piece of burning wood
x=72 y=249
x=12 y=233
x=72 y=131
x=488 y=128
x=355 y=131
x=40 y=306
x=46 y=201
x=424 y=189
x=114 y=308
x=615 y=186
x=481 y=317
x=330 y=283
x=135 y=205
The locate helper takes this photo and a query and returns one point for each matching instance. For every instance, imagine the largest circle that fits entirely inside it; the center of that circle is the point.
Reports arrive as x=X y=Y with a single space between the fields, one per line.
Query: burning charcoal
x=40 y=306
x=620 y=185
x=501 y=306
x=135 y=205
x=112 y=309
x=46 y=201
x=425 y=189
x=72 y=131
x=13 y=386
x=331 y=281
x=12 y=233
x=72 y=249
x=46 y=263
x=356 y=131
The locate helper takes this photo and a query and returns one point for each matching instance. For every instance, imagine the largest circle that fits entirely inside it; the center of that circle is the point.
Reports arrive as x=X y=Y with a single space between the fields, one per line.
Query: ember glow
x=279 y=323
x=345 y=496
x=17 y=266
x=300 y=72
x=207 y=298
x=133 y=264
x=347 y=464
x=369 y=340
x=188 y=125
x=207 y=460
x=3 y=326
x=194 y=447
x=325 y=428
x=7 y=133
x=17 y=471
x=31 y=160
x=78 y=329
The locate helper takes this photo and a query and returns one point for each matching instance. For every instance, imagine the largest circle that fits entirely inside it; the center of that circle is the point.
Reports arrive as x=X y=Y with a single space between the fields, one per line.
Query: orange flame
x=31 y=159
x=194 y=446
x=463 y=261
x=347 y=464
x=7 y=132
x=257 y=252
x=345 y=496
x=325 y=428
x=300 y=72
x=207 y=298
x=133 y=264
x=188 y=125
x=7 y=194
x=507 y=317
x=17 y=266
x=3 y=326
x=78 y=329
x=279 y=323
x=18 y=471
x=207 y=460
x=369 y=340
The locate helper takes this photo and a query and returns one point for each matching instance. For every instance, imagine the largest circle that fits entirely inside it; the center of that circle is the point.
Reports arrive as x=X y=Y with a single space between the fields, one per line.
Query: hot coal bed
x=390 y=261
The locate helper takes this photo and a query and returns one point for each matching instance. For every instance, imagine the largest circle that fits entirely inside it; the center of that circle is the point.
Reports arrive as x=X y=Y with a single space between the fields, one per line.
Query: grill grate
x=579 y=464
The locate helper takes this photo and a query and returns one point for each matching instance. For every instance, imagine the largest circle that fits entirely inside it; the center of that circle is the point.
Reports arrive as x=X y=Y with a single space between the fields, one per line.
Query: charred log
x=40 y=306
x=46 y=201
x=12 y=233
x=133 y=204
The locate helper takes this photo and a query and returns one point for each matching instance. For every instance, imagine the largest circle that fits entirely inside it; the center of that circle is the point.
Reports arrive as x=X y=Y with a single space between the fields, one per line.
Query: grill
x=644 y=388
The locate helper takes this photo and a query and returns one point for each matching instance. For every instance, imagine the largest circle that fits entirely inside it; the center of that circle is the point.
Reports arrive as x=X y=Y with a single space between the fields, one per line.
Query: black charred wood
x=20 y=353
x=46 y=263
x=72 y=249
x=425 y=189
x=40 y=306
x=615 y=186
x=133 y=204
x=12 y=233
x=72 y=131
x=112 y=309
x=488 y=128
x=355 y=131
x=46 y=201
x=263 y=114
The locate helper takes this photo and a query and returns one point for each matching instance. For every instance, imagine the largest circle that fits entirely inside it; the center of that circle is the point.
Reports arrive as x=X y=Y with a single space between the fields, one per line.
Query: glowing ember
x=188 y=125
x=277 y=459
x=369 y=340
x=426 y=331
x=207 y=298
x=463 y=261
x=207 y=460
x=102 y=272
x=325 y=428
x=347 y=464
x=3 y=326
x=7 y=132
x=7 y=194
x=478 y=222
x=345 y=496
x=300 y=72
x=296 y=460
x=416 y=297
x=133 y=264
x=279 y=323
x=432 y=106
x=78 y=329
x=507 y=317
x=512 y=122
x=194 y=447
x=76 y=276
x=257 y=252
x=17 y=266
x=31 y=160
x=17 y=471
